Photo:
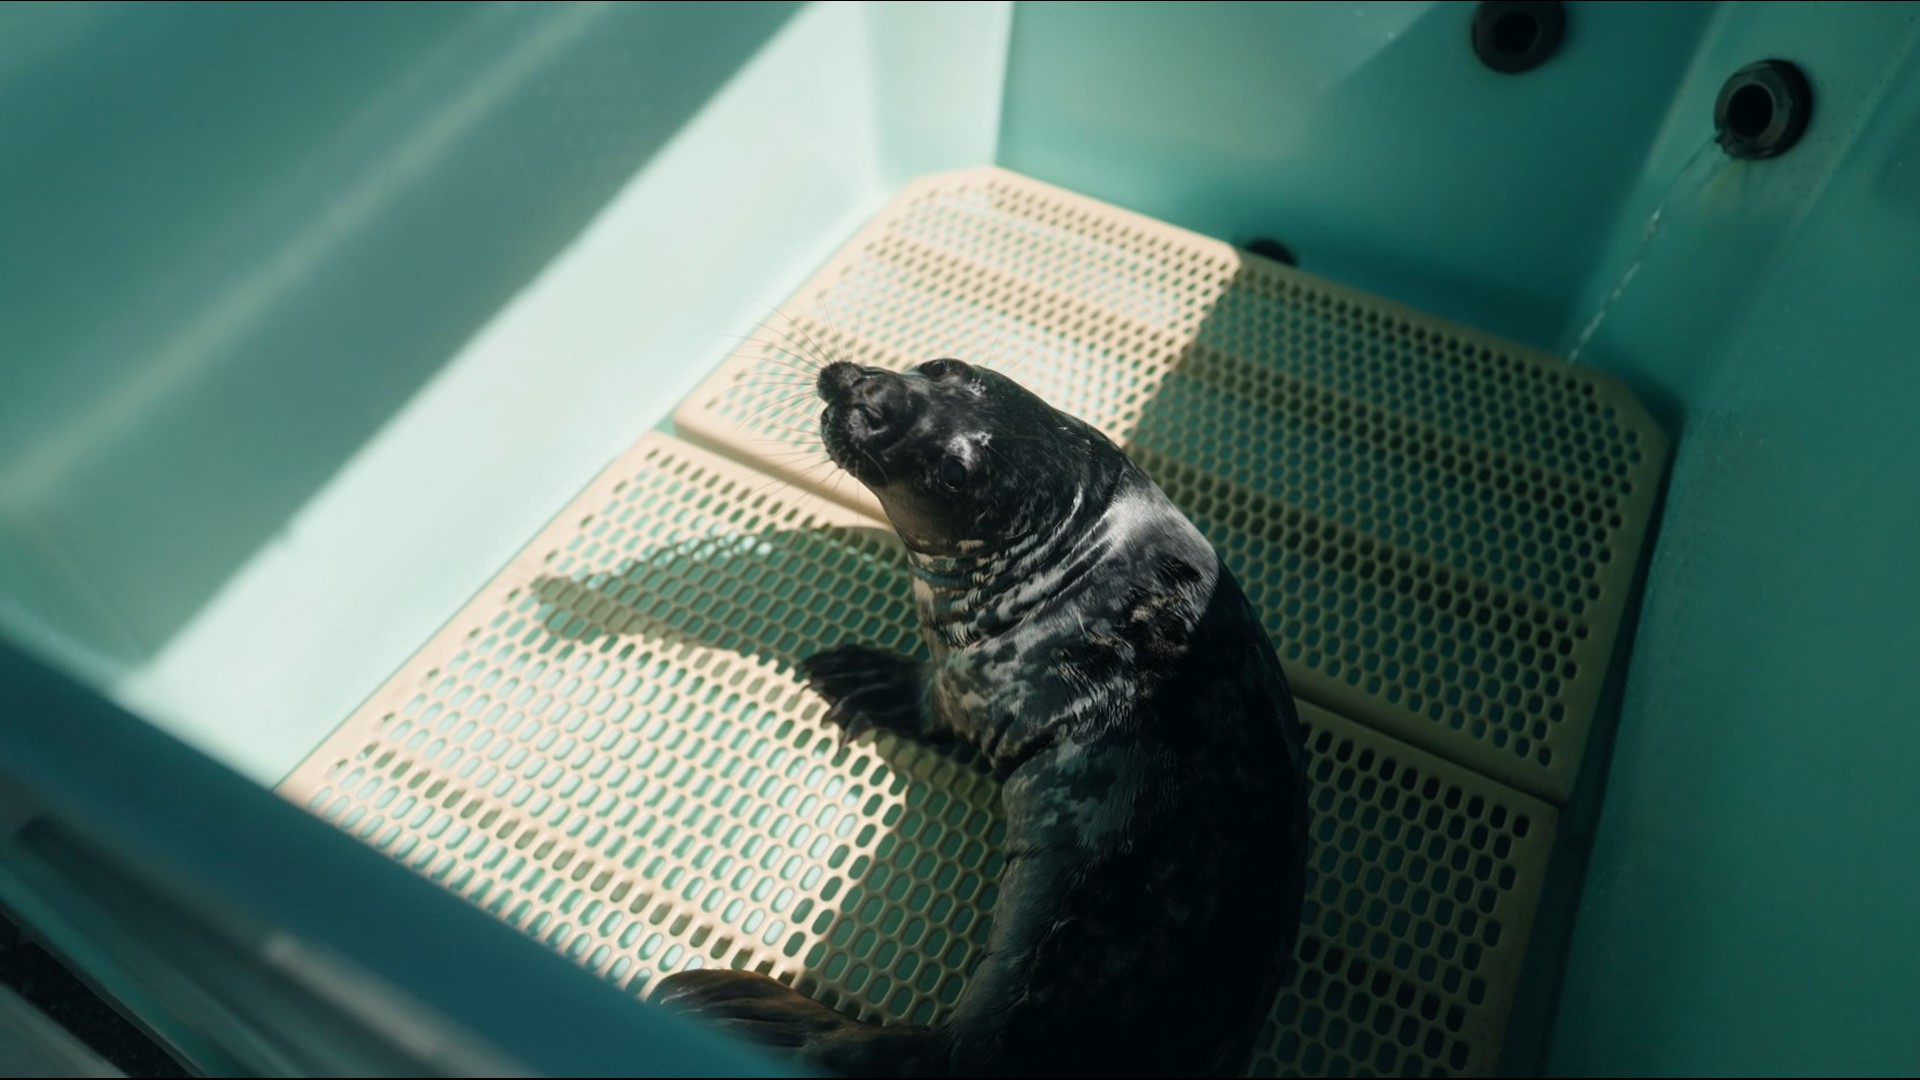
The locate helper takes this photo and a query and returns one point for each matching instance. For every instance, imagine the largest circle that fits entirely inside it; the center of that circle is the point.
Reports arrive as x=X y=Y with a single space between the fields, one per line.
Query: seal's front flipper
x=752 y=1006
x=870 y=688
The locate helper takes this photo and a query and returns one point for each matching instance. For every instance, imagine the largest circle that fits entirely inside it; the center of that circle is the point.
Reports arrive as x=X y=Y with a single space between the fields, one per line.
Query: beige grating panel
x=608 y=748
x=1440 y=527
x=1424 y=880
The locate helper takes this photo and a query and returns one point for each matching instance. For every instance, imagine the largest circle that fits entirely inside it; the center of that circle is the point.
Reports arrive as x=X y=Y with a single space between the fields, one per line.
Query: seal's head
x=963 y=459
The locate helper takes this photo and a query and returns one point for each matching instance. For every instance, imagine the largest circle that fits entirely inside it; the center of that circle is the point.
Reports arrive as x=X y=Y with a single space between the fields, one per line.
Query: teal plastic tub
x=311 y=316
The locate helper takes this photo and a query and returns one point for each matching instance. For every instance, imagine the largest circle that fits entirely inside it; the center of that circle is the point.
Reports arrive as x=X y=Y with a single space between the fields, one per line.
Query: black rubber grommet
x=1762 y=110
x=1272 y=249
x=1513 y=36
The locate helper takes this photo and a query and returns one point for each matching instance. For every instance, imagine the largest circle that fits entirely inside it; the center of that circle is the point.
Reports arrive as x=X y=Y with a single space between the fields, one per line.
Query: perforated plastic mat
x=609 y=748
x=1441 y=527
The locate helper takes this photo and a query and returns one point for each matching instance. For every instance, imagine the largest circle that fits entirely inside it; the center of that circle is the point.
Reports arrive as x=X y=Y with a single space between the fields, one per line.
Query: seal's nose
x=837 y=381
x=878 y=393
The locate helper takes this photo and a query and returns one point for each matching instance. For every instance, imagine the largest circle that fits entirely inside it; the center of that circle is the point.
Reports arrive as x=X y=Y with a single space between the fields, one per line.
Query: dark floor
x=67 y=1001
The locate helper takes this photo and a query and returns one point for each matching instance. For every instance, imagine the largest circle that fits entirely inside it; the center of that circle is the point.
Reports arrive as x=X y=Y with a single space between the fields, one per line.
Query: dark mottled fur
x=1088 y=640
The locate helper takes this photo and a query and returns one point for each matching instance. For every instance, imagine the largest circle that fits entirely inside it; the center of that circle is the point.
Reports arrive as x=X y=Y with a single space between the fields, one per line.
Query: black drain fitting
x=1762 y=110
x=1513 y=36
x=1268 y=248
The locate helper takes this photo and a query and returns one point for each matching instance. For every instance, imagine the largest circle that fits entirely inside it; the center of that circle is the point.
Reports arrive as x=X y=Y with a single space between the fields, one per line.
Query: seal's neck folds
x=970 y=597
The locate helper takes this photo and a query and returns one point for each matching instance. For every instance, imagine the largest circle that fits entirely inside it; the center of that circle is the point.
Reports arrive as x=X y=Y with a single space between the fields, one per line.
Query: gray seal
x=1088 y=640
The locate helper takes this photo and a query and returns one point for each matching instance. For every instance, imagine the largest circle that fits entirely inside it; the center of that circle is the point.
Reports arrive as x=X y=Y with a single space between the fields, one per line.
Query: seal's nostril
x=873 y=387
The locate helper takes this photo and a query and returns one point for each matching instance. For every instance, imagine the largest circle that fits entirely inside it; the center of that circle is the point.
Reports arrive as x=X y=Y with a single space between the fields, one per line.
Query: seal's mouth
x=868 y=410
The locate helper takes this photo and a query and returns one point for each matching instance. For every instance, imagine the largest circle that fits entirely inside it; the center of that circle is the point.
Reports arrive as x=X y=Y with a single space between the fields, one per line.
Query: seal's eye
x=941 y=369
x=953 y=473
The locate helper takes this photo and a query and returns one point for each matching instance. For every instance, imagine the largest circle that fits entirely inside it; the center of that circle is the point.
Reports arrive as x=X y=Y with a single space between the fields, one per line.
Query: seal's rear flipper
x=752 y=1006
